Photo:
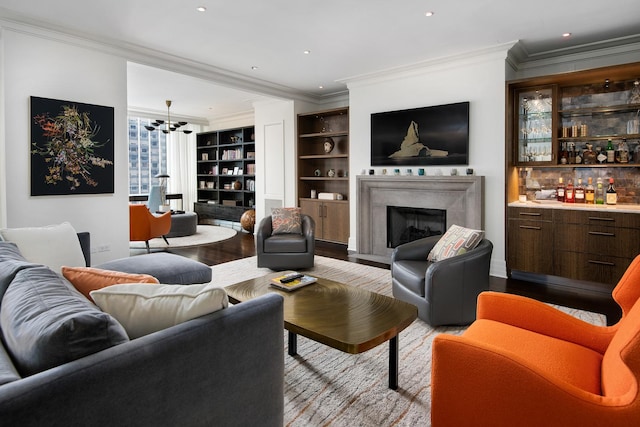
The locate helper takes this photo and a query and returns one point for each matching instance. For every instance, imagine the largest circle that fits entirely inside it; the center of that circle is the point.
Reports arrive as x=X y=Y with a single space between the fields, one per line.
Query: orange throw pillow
x=87 y=279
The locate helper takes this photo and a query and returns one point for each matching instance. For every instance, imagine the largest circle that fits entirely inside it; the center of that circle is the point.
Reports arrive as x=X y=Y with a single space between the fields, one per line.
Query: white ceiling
x=347 y=38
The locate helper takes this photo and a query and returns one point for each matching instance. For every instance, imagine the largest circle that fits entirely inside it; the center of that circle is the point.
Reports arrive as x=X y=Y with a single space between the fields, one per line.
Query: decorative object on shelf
x=372 y=172
x=421 y=171
x=331 y=173
x=409 y=172
x=454 y=172
x=237 y=185
x=248 y=220
x=396 y=172
x=469 y=171
x=314 y=194
x=317 y=172
x=235 y=139
x=634 y=95
x=328 y=145
x=384 y=171
x=167 y=126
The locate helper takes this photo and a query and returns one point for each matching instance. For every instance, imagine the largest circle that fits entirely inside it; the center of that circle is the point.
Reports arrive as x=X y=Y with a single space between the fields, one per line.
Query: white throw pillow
x=145 y=308
x=52 y=245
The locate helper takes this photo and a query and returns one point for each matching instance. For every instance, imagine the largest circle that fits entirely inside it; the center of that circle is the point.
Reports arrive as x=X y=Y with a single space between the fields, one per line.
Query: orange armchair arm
x=160 y=225
x=475 y=384
x=535 y=316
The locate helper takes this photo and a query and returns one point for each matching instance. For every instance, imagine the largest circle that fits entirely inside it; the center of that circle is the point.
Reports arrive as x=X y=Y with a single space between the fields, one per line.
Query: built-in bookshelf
x=226 y=172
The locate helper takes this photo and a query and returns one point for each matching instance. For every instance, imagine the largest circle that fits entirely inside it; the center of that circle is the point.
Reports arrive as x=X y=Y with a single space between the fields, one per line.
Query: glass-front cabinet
x=590 y=119
x=536 y=122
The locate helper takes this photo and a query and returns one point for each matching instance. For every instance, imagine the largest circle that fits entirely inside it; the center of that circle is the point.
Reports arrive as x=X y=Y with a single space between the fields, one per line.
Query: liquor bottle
x=579 y=194
x=600 y=156
x=622 y=155
x=599 y=192
x=569 y=193
x=611 y=152
x=589 y=156
x=560 y=190
x=589 y=192
x=571 y=157
x=612 y=196
x=563 y=154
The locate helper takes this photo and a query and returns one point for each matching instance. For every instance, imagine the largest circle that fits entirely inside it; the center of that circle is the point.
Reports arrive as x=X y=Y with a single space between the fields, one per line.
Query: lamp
x=168 y=126
x=164 y=207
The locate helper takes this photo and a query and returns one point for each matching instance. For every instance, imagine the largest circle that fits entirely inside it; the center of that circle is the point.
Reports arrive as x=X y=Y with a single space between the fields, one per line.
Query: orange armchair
x=524 y=363
x=144 y=226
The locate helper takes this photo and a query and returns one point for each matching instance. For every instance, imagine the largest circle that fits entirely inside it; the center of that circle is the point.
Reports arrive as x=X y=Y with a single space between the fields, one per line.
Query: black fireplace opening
x=405 y=224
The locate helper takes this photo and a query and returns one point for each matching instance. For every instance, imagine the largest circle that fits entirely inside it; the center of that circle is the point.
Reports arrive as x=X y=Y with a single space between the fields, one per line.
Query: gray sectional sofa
x=75 y=365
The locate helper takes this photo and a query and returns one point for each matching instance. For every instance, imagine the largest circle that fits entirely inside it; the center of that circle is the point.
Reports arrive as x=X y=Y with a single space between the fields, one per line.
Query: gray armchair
x=286 y=251
x=445 y=291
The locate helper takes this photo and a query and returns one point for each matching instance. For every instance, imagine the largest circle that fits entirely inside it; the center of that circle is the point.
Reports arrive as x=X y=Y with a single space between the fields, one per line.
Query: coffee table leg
x=293 y=344
x=393 y=363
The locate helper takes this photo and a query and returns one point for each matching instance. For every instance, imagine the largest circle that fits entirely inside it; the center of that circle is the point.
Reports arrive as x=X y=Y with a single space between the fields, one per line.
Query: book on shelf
x=284 y=282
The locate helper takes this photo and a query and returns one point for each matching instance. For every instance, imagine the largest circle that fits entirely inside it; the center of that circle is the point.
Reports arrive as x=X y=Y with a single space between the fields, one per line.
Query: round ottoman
x=183 y=224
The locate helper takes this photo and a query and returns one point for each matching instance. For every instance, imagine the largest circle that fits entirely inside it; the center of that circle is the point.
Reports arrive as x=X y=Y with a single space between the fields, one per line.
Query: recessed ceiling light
x=320 y=87
x=307 y=52
x=428 y=14
x=254 y=67
x=566 y=35
x=201 y=9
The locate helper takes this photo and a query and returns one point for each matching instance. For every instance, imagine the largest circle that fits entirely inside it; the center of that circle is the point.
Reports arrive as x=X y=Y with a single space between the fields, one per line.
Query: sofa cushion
x=11 y=262
x=285 y=243
x=456 y=241
x=167 y=268
x=46 y=322
x=286 y=221
x=143 y=309
x=87 y=279
x=53 y=245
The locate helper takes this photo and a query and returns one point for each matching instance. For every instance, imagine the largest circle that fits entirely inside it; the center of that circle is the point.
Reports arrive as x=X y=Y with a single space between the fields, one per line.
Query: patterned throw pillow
x=456 y=241
x=286 y=221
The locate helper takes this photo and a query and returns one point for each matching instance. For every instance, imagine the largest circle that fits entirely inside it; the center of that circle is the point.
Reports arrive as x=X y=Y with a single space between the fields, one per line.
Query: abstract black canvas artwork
x=72 y=148
x=436 y=135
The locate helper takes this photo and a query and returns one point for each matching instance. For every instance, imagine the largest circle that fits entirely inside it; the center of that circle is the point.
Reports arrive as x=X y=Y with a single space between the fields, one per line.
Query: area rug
x=325 y=387
x=204 y=234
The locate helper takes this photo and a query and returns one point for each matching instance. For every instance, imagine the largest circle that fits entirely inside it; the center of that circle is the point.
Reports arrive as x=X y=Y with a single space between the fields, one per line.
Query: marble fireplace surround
x=461 y=196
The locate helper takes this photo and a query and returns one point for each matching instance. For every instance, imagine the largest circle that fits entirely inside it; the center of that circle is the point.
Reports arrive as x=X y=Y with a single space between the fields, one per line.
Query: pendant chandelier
x=167 y=126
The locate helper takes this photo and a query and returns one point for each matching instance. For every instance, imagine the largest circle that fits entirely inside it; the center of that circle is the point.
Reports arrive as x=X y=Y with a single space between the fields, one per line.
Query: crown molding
x=497 y=52
x=146 y=56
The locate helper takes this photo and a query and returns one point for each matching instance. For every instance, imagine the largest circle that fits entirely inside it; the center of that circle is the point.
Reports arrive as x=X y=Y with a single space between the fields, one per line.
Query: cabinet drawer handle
x=530 y=227
x=597 y=218
x=601 y=233
x=530 y=214
x=609 y=264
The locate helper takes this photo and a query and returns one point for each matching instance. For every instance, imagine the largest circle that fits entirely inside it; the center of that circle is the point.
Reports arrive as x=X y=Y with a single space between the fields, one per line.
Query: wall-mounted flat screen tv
x=436 y=135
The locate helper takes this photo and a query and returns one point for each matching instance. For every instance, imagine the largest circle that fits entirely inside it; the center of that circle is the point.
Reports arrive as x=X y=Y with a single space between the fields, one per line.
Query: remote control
x=291 y=277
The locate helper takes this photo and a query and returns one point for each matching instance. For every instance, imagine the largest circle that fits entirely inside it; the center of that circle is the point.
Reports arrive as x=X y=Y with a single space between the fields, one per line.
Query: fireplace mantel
x=461 y=196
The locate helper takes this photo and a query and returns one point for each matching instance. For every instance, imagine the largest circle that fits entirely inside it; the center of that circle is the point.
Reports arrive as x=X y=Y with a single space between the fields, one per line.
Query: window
x=147 y=156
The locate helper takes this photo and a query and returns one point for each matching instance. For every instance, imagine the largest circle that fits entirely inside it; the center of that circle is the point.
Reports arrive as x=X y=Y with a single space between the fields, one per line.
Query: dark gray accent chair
x=445 y=291
x=286 y=251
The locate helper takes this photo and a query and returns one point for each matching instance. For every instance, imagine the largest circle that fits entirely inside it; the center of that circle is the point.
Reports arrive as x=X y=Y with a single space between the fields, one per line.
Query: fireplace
x=406 y=224
x=460 y=197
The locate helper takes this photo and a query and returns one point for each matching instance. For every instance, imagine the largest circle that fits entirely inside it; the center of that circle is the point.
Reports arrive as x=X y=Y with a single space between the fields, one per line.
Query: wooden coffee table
x=343 y=317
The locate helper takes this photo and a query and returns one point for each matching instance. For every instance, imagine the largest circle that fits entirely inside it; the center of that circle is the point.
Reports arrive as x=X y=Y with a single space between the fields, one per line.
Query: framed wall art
x=436 y=135
x=72 y=148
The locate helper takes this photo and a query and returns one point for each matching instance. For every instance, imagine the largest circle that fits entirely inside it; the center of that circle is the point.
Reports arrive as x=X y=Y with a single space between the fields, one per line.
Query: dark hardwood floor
x=242 y=245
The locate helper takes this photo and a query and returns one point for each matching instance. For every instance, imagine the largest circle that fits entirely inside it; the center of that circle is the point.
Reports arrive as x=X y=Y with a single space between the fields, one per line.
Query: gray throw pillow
x=45 y=322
